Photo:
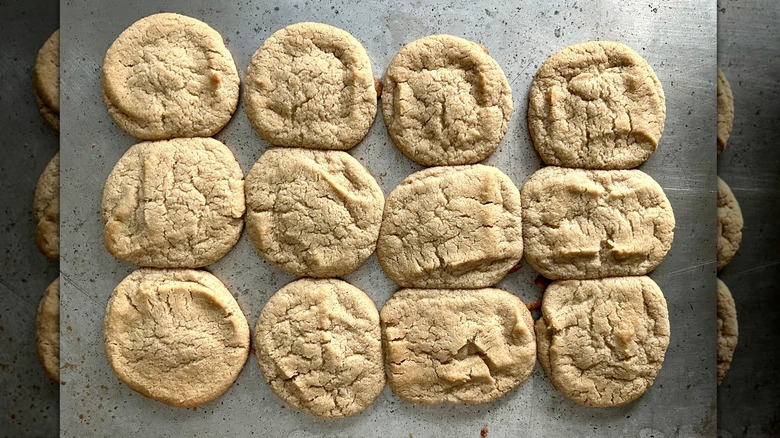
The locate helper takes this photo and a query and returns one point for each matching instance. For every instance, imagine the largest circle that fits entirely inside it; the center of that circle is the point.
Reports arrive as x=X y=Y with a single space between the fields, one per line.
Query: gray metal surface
x=749 y=55
x=677 y=40
x=29 y=401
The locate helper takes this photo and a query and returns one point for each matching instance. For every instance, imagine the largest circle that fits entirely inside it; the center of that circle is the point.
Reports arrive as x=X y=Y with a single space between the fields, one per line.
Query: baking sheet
x=29 y=401
x=677 y=40
x=749 y=55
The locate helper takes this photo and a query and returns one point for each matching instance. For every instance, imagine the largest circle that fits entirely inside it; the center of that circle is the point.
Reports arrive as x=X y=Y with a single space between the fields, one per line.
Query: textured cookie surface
x=725 y=111
x=46 y=80
x=451 y=227
x=728 y=330
x=456 y=346
x=46 y=209
x=168 y=75
x=594 y=223
x=310 y=85
x=174 y=203
x=445 y=101
x=596 y=105
x=730 y=224
x=175 y=335
x=47 y=330
x=313 y=213
x=602 y=342
x=318 y=345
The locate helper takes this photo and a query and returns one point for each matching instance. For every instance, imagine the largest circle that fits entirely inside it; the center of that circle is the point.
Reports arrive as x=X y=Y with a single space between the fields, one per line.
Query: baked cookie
x=46 y=209
x=174 y=203
x=730 y=224
x=596 y=105
x=47 y=330
x=310 y=85
x=594 y=223
x=728 y=330
x=456 y=346
x=175 y=335
x=313 y=213
x=725 y=111
x=319 y=349
x=451 y=227
x=168 y=75
x=445 y=101
x=46 y=80
x=602 y=342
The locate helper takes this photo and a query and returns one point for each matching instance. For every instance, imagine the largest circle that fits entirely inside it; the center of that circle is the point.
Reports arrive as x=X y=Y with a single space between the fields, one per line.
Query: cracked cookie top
x=318 y=347
x=445 y=101
x=596 y=105
x=310 y=85
x=725 y=111
x=313 y=213
x=451 y=227
x=46 y=209
x=602 y=342
x=168 y=75
x=174 y=203
x=728 y=330
x=175 y=335
x=47 y=330
x=456 y=346
x=730 y=224
x=595 y=223
x=46 y=80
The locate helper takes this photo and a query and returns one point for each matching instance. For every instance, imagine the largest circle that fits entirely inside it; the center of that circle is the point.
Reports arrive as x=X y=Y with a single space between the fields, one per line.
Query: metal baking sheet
x=29 y=401
x=749 y=55
x=678 y=40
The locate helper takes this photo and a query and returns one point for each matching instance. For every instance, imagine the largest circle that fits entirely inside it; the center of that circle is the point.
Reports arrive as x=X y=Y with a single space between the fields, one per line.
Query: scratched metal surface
x=749 y=55
x=678 y=41
x=28 y=400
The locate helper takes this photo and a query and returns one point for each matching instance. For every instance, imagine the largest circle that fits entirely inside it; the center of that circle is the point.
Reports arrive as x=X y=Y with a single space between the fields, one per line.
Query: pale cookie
x=46 y=80
x=456 y=346
x=594 y=223
x=47 y=330
x=168 y=75
x=310 y=85
x=730 y=224
x=602 y=342
x=174 y=203
x=725 y=111
x=596 y=105
x=313 y=213
x=46 y=209
x=445 y=101
x=728 y=330
x=175 y=335
x=319 y=349
x=451 y=227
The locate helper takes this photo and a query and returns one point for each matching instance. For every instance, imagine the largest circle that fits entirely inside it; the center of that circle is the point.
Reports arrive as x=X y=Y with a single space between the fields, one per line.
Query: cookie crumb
x=378 y=85
x=484 y=432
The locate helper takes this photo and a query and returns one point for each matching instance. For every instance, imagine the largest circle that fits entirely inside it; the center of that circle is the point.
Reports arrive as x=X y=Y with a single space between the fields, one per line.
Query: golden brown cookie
x=730 y=224
x=451 y=227
x=728 y=330
x=310 y=85
x=725 y=111
x=319 y=349
x=47 y=330
x=175 y=335
x=313 y=213
x=174 y=203
x=594 y=223
x=596 y=105
x=168 y=75
x=445 y=101
x=46 y=209
x=602 y=342
x=46 y=80
x=456 y=346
